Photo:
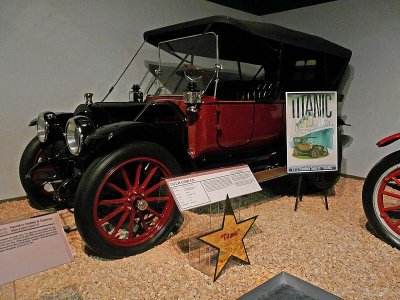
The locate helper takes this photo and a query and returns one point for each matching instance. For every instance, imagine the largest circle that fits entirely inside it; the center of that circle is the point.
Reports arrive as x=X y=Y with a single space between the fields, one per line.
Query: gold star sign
x=229 y=239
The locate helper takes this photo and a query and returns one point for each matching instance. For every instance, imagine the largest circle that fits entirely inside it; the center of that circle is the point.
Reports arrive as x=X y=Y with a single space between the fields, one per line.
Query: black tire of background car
x=90 y=183
x=368 y=198
x=37 y=197
x=319 y=182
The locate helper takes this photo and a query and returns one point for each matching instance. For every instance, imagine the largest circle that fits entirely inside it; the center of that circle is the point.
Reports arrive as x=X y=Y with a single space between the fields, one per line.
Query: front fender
x=111 y=136
x=388 y=140
x=61 y=119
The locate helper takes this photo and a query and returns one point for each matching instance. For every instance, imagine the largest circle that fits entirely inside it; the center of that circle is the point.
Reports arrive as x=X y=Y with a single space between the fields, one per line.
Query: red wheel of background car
x=381 y=199
x=132 y=202
x=387 y=204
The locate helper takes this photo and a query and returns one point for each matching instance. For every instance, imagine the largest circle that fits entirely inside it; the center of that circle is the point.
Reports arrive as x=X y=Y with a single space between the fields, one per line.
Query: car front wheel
x=122 y=205
x=38 y=187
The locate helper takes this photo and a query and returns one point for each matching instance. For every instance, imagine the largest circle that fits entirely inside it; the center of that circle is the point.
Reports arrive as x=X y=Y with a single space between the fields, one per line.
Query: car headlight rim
x=42 y=128
x=76 y=130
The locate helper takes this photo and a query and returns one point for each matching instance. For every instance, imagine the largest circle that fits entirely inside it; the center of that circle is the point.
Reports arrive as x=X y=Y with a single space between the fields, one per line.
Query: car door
x=234 y=122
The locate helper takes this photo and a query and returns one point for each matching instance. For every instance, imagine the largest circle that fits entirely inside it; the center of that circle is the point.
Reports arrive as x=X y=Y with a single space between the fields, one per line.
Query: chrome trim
x=83 y=127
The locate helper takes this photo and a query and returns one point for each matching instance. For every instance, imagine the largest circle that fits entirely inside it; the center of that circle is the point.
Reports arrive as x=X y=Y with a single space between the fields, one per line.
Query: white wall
x=53 y=51
x=371 y=30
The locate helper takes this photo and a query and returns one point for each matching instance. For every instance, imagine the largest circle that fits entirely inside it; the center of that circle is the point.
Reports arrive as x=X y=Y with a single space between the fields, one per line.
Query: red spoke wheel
x=123 y=206
x=381 y=199
x=38 y=189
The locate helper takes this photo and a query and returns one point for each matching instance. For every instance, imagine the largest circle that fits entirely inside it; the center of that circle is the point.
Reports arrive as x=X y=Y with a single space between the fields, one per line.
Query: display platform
x=286 y=286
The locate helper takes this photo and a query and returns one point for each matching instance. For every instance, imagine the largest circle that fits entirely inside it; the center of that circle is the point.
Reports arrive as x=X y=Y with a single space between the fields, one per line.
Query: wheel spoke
x=155 y=199
x=392 y=208
x=112 y=201
x=137 y=175
x=397 y=224
x=115 y=188
x=131 y=223
x=145 y=227
x=148 y=178
x=157 y=214
x=120 y=223
x=131 y=203
x=112 y=215
x=391 y=194
x=126 y=179
x=154 y=187
x=396 y=180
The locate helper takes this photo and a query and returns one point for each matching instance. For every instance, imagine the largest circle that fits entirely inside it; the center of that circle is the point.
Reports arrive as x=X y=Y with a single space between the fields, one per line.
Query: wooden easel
x=299 y=194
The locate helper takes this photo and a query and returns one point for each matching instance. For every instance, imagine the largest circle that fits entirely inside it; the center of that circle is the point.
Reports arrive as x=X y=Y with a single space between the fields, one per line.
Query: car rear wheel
x=325 y=180
x=38 y=188
x=122 y=205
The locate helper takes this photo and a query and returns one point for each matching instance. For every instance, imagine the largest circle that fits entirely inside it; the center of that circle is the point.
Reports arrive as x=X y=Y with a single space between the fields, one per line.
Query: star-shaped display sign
x=229 y=239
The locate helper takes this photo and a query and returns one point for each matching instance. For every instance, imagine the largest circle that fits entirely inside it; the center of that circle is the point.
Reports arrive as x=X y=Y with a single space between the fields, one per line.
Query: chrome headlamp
x=42 y=125
x=76 y=130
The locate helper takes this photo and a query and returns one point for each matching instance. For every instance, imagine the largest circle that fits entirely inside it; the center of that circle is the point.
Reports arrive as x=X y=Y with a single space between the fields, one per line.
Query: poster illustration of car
x=311 y=131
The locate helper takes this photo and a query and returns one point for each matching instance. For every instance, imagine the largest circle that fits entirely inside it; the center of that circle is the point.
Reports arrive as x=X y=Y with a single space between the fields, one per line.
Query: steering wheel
x=193 y=73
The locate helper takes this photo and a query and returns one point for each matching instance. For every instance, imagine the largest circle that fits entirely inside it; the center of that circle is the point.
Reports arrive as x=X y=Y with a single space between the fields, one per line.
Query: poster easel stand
x=299 y=194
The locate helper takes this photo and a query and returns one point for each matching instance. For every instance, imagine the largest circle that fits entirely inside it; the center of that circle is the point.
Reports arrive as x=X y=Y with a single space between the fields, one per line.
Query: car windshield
x=185 y=60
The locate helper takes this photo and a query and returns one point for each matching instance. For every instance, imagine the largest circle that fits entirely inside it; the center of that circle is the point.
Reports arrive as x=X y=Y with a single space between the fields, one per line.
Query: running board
x=266 y=175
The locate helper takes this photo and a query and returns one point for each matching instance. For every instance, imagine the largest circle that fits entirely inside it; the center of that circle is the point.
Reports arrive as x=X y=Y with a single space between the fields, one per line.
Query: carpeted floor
x=331 y=249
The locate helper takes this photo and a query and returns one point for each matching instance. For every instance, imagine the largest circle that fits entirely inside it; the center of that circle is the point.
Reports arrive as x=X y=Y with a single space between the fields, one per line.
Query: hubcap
x=142 y=204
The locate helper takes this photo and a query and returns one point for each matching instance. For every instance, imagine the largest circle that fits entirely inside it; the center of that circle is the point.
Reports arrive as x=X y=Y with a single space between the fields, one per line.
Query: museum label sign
x=207 y=187
x=31 y=246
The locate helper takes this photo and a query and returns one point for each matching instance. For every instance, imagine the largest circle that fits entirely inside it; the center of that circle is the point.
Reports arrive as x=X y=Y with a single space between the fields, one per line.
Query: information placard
x=311 y=131
x=202 y=188
x=31 y=246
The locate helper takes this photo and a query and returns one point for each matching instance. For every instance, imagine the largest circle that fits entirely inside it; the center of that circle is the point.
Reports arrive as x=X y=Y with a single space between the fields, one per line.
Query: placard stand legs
x=8 y=291
x=201 y=256
x=299 y=194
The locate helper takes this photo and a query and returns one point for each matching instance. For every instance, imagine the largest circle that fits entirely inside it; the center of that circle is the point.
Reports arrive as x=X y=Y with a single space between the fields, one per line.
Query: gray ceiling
x=264 y=7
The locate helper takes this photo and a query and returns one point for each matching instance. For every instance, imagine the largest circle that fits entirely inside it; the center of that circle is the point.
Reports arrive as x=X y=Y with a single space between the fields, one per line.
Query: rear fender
x=110 y=137
x=388 y=140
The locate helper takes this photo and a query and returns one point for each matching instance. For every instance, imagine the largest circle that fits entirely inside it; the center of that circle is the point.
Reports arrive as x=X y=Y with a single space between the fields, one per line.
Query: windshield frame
x=185 y=58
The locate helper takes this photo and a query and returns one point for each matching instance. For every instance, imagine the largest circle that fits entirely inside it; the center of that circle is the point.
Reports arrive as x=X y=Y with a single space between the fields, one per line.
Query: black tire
x=319 y=182
x=38 y=197
x=130 y=224
x=385 y=223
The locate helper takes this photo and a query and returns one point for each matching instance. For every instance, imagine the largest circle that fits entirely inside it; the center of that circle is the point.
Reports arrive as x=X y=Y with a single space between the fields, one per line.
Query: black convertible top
x=250 y=41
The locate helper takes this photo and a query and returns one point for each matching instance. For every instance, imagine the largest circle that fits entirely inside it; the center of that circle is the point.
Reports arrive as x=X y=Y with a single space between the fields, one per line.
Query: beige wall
x=51 y=52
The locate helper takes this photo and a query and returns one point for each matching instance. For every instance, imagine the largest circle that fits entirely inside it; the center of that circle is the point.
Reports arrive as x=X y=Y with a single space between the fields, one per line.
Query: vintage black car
x=217 y=99
x=303 y=146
